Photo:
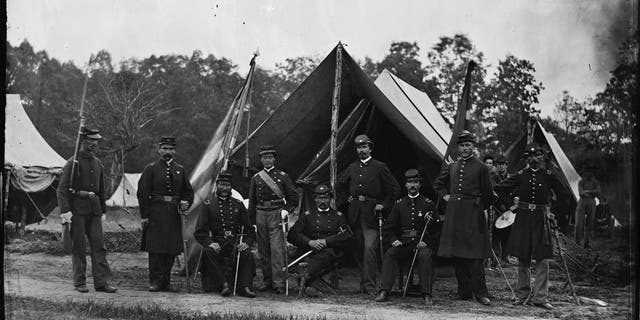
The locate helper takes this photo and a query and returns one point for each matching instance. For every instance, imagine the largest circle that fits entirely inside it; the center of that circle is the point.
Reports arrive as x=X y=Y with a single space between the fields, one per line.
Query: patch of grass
x=33 y=308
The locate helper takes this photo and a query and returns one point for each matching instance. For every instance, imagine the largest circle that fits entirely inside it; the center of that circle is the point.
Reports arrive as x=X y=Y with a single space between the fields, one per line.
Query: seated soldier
x=324 y=232
x=604 y=219
x=226 y=219
x=404 y=229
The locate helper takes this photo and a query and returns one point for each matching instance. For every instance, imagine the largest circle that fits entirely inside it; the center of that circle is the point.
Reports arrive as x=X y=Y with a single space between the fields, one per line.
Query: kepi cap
x=465 y=136
x=267 y=149
x=412 y=174
x=224 y=176
x=322 y=189
x=93 y=134
x=362 y=139
x=167 y=140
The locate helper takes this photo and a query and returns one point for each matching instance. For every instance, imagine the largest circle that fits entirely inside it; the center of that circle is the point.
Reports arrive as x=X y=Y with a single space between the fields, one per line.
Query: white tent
x=125 y=194
x=30 y=164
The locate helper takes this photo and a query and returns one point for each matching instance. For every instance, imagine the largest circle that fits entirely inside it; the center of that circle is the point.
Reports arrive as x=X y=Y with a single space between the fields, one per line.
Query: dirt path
x=21 y=279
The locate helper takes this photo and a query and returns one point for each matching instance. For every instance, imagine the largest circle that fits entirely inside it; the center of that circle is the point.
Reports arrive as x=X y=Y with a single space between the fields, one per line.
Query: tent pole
x=5 y=192
x=335 y=108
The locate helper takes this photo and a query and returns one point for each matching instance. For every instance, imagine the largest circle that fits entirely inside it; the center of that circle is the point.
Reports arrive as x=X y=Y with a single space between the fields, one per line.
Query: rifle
x=235 y=281
x=415 y=255
x=66 y=232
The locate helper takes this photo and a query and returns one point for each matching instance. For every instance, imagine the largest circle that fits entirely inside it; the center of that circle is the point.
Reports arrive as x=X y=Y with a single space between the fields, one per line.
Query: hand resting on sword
x=318 y=244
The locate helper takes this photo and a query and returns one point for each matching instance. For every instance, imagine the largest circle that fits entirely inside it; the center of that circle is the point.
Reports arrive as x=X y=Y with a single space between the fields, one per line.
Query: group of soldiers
x=377 y=218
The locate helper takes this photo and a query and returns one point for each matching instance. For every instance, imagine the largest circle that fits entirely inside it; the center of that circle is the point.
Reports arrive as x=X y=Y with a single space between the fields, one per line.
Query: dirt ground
x=42 y=274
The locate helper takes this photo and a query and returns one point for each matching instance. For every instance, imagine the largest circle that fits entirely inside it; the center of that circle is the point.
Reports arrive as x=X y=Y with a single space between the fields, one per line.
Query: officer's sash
x=270 y=183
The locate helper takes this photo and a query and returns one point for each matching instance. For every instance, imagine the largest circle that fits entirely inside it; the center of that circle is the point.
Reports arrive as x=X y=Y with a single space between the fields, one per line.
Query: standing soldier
x=589 y=189
x=323 y=230
x=82 y=202
x=221 y=223
x=371 y=189
x=466 y=186
x=501 y=236
x=164 y=193
x=403 y=230
x=271 y=197
x=531 y=231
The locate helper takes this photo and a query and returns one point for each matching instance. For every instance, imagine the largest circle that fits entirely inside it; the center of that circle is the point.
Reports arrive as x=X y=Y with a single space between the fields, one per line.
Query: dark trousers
x=319 y=263
x=271 y=246
x=404 y=254
x=470 y=276
x=160 y=268
x=218 y=268
x=499 y=242
x=91 y=226
x=365 y=250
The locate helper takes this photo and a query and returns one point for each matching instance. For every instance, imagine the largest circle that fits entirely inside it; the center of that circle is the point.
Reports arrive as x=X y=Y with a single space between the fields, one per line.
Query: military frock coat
x=465 y=231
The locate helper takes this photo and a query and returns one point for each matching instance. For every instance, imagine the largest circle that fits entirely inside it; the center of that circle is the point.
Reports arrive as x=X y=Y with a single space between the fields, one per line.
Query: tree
x=294 y=71
x=508 y=100
x=446 y=71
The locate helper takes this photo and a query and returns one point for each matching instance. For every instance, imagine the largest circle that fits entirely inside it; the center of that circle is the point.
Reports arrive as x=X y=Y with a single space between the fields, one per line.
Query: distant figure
x=589 y=189
x=604 y=218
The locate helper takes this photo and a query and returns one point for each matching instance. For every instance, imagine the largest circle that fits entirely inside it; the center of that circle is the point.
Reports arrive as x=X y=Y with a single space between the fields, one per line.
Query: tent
x=559 y=163
x=31 y=167
x=125 y=195
x=407 y=129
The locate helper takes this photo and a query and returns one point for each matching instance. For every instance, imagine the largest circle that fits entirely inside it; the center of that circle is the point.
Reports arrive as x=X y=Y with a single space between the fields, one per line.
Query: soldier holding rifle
x=164 y=193
x=372 y=189
x=82 y=201
x=531 y=236
x=323 y=231
x=412 y=229
x=219 y=228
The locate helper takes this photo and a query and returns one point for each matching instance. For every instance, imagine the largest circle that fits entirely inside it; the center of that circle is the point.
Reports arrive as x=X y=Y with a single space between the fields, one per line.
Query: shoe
x=107 y=288
x=428 y=301
x=154 y=288
x=247 y=293
x=279 y=290
x=484 y=301
x=82 y=289
x=226 y=290
x=544 y=305
x=265 y=287
x=383 y=296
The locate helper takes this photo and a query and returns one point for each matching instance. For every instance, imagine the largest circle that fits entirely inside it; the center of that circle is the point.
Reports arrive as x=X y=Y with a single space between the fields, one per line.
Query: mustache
x=167 y=156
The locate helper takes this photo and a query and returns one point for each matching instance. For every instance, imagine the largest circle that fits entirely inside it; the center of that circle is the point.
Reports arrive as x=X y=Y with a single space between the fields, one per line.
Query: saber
x=235 y=281
x=415 y=255
x=297 y=260
x=285 y=224
x=513 y=293
x=380 y=237
x=185 y=246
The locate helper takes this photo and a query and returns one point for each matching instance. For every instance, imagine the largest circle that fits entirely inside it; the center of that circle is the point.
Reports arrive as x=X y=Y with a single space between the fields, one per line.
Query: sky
x=572 y=43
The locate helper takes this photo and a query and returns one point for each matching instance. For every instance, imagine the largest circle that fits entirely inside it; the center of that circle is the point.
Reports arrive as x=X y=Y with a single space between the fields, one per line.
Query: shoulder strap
x=270 y=183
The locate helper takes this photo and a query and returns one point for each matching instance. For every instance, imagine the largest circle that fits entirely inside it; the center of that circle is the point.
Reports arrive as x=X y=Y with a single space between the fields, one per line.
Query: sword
x=285 y=224
x=185 y=245
x=297 y=260
x=415 y=255
x=235 y=281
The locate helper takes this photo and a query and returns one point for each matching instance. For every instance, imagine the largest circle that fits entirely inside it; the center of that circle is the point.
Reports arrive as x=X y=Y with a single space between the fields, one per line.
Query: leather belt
x=531 y=206
x=270 y=204
x=164 y=198
x=409 y=233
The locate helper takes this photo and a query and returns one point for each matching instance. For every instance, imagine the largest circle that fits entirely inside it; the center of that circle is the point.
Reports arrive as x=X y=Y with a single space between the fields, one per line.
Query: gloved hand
x=421 y=245
x=66 y=217
x=396 y=243
x=215 y=246
x=284 y=214
x=242 y=246
x=184 y=205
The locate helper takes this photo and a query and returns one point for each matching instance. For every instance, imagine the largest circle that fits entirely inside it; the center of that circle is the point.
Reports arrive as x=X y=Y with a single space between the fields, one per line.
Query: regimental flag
x=214 y=160
x=463 y=117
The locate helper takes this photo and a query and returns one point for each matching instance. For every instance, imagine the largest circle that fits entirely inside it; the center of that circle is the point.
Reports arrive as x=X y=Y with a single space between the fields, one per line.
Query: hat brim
x=262 y=153
x=94 y=136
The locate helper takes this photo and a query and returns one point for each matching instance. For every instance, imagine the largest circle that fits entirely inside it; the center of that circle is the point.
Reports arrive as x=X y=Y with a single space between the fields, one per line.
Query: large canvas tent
x=31 y=166
x=407 y=129
x=125 y=195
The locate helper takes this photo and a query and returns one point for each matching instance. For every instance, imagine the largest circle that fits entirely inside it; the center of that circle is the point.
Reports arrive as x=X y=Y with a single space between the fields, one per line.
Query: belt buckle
x=532 y=206
x=228 y=233
x=167 y=198
x=361 y=198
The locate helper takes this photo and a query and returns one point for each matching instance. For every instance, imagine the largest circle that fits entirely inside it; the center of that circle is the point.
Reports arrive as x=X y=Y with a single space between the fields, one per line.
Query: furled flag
x=462 y=117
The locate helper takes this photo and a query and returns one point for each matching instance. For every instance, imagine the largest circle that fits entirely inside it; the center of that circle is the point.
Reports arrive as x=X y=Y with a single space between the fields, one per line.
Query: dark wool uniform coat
x=88 y=176
x=221 y=221
x=373 y=180
x=465 y=231
x=407 y=220
x=259 y=191
x=164 y=231
x=316 y=224
x=529 y=237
